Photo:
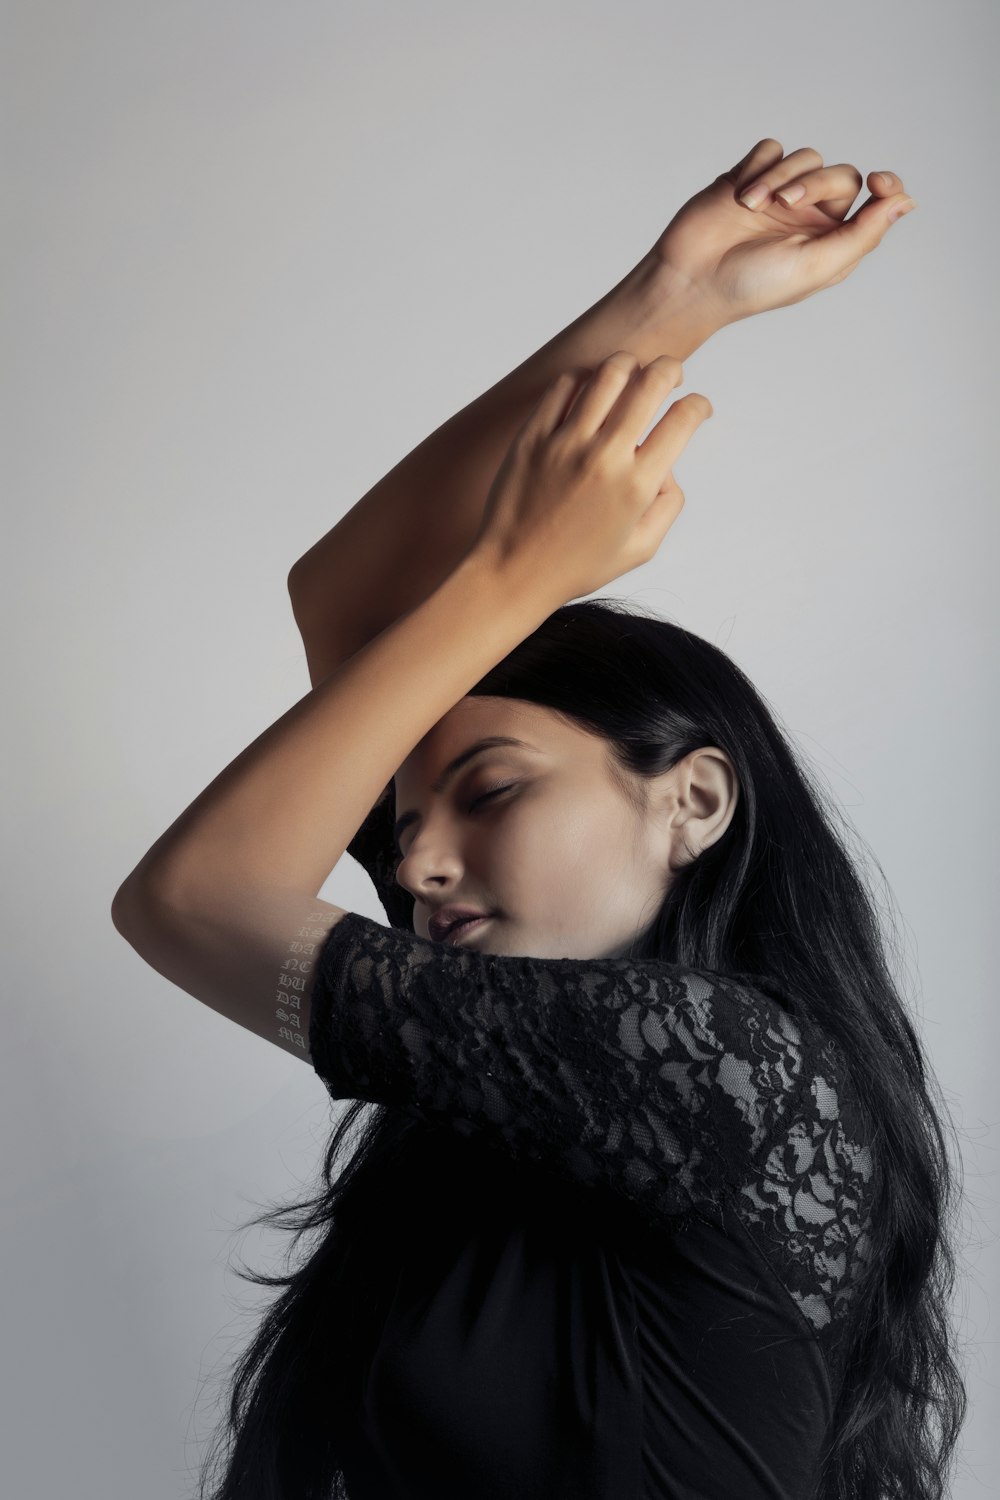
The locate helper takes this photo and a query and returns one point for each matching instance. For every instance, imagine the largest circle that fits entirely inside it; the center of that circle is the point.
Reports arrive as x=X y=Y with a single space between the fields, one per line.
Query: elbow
x=298 y=581
x=125 y=909
x=135 y=903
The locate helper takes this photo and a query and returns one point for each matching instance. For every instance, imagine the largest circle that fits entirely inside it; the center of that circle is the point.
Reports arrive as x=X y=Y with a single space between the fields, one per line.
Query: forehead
x=481 y=717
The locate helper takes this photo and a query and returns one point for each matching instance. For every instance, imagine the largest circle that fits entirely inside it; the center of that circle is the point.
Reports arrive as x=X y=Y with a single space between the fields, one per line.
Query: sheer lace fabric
x=668 y=1087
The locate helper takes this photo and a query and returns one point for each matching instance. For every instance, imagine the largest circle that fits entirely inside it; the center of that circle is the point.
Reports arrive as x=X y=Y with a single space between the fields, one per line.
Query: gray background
x=253 y=255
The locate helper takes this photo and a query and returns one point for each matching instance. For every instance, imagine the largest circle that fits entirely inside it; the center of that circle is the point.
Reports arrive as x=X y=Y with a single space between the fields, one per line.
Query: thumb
x=836 y=252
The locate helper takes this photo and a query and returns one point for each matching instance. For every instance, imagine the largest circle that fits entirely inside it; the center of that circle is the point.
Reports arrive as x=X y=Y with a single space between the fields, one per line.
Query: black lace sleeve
x=374 y=847
x=670 y=1086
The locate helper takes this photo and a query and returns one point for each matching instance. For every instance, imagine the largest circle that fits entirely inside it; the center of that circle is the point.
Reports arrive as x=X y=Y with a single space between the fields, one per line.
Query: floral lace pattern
x=670 y=1086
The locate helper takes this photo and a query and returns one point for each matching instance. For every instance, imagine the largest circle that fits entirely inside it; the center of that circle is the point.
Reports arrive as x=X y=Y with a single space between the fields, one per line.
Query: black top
x=635 y=1272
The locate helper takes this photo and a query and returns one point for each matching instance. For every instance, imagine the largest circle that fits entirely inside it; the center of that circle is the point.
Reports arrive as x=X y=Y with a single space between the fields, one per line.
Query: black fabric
x=644 y=1197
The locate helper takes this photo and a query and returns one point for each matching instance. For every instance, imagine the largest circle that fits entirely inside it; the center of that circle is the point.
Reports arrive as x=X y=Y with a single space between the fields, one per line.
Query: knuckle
x=557 y=446
x=664 y=367
x=621 y=359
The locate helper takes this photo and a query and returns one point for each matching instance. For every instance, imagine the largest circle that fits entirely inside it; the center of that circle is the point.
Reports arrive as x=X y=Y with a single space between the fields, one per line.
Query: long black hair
x=778 y=895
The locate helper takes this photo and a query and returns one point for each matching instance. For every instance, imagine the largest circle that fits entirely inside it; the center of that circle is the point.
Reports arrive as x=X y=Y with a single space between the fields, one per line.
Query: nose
x=428 y=866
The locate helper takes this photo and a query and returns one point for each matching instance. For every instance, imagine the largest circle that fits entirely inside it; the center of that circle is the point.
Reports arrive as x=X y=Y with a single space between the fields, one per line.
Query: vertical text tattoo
x=292 y=983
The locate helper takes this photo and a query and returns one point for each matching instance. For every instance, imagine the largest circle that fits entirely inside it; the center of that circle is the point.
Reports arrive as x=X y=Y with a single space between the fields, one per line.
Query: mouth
x=460 y=929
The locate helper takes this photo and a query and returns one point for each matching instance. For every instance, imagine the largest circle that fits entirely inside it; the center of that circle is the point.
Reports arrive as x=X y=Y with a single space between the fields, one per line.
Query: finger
x=758 y=159
x=555 y=402
x=821 y=188
x=831 y=256
x=657 y=455
x=760 y=187
x=882 y=184
x=601 y=392
x=885 y=185
x=833 y=189
x=654 y=523
x=642 y=398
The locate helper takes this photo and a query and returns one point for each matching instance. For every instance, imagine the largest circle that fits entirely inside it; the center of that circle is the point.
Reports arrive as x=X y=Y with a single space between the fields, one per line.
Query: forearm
x=402 y=538
x=280 y=816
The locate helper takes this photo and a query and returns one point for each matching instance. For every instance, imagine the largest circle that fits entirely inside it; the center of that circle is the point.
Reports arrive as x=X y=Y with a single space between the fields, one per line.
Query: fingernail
x=790 y=194
x=884 y=179
x=754 y=195
x=899 y=209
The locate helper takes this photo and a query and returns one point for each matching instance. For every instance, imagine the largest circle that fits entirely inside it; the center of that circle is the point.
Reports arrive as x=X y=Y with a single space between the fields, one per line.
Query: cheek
x=557 y=846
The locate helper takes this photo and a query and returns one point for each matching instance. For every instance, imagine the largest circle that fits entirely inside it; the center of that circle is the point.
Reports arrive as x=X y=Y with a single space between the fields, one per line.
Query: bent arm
x=402 y=539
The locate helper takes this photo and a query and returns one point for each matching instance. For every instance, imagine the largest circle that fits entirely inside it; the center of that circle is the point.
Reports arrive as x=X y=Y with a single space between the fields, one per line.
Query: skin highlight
x=574 y=860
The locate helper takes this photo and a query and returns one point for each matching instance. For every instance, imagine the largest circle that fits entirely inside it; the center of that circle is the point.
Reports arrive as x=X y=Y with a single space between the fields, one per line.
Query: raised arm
x=718 y=261
x=407 y=534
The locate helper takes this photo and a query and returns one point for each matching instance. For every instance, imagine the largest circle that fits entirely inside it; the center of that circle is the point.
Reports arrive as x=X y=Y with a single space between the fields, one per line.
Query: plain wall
x=253 y=254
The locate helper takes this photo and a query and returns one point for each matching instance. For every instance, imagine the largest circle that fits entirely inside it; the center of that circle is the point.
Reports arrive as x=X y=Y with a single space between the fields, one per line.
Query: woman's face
x=568 y=867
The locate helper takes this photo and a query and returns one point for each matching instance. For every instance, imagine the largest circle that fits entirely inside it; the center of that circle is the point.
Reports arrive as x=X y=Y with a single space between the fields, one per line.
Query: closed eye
x=494 y=791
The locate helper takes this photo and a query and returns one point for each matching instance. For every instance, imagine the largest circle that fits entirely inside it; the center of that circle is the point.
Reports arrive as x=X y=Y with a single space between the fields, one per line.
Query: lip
x=458 y=932
x=450 y=915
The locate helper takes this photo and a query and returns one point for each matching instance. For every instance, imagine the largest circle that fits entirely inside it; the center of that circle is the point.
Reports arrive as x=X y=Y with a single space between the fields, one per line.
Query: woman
x=653 y=1199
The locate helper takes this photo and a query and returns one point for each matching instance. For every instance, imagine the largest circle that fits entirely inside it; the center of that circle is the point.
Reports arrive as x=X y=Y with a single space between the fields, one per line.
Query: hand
x=577 y=501
x=736 y=261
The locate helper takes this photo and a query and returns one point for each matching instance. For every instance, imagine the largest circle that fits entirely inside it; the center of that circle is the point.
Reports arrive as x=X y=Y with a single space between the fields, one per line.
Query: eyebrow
x=452 y=769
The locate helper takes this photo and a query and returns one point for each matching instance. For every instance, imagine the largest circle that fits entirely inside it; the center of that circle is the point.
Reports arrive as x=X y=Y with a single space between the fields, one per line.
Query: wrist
x=673 y=315
x=518 y=585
